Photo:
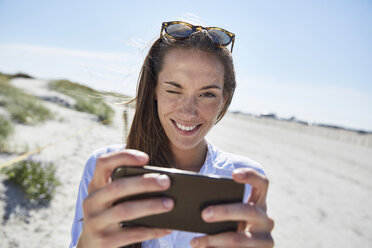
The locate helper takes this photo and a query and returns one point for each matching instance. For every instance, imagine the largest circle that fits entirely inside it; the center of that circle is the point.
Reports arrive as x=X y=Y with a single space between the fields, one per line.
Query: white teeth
x=185 y=128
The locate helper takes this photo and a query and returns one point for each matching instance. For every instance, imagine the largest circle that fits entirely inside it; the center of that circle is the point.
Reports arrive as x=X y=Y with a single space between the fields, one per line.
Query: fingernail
x=167 y=203
x=208 y=213
x=194 y=242
x=163 y=181
x=140 y=155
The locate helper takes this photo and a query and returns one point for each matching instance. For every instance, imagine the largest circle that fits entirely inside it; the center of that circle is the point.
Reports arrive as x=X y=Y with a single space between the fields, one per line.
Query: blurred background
x=310 y=60
x=302 y=107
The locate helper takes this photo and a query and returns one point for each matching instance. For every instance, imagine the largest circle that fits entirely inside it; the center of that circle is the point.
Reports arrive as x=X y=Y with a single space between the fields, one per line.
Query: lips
x=186 y=129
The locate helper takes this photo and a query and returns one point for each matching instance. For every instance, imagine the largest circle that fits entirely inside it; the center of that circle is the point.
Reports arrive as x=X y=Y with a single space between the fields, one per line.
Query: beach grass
x=87 y=99
x=6 y=129
x=22 y=107
x=36 y=179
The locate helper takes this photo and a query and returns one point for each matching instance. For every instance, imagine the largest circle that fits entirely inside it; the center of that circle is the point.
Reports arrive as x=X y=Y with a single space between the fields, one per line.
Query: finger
x=108 y=162
x=259 y=184
x=130 y=210
x=104 y=197
x=233 y=239
x=251 y=214
x=126 y=236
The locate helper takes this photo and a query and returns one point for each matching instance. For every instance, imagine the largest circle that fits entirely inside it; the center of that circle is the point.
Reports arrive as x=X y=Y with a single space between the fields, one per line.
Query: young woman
x=185 y=87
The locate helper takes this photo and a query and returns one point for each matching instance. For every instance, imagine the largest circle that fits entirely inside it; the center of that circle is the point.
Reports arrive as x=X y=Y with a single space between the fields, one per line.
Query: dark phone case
x=191 y=193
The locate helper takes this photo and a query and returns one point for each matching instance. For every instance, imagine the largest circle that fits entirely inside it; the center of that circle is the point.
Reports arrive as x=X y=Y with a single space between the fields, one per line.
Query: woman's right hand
x=101 y=226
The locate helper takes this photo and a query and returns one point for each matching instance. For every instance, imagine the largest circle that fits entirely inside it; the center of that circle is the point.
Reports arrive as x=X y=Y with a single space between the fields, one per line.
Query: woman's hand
x=101 y=219
x=255 y=226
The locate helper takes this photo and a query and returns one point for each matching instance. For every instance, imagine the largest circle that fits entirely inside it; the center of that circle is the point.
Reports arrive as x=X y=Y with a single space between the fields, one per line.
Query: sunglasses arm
x=232 y=44
x=161 y=31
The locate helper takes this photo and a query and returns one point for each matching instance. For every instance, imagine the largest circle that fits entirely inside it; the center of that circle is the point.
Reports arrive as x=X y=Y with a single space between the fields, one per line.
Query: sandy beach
x=320 y=178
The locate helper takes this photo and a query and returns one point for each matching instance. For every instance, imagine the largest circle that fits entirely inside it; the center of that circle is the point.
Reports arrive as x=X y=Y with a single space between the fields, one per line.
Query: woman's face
x=189 y=95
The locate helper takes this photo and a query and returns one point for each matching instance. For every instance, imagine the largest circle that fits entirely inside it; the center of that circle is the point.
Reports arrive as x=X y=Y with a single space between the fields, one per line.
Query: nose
x=189 y=107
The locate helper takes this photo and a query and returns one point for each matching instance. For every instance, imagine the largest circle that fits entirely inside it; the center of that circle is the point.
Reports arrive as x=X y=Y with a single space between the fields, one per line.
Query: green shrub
x=6 y=129
x=87 y=99
x=17 y=75
x=36 y=179
x=21 y=75
x=22 y=107
x=28 y=111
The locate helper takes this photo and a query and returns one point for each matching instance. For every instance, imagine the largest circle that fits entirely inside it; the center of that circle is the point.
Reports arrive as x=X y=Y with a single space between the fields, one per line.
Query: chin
x=185 y=144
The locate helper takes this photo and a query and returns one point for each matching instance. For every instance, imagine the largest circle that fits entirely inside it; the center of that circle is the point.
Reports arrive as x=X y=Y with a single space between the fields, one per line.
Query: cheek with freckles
x=167 y=105
x=212 y=110
x=209 y=109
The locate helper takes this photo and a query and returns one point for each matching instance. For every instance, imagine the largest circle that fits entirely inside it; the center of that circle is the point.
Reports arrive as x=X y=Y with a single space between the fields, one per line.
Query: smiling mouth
x=186 y=129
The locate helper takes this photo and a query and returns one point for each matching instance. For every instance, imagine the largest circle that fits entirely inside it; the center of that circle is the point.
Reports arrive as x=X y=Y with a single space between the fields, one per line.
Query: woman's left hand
x=255 y=226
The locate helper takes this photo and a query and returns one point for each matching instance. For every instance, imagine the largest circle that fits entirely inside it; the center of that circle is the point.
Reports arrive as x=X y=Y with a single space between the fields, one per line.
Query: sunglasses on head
x=181 y=30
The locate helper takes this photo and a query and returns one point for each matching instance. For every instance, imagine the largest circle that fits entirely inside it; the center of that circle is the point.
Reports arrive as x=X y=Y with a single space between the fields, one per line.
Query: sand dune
x=320 y=178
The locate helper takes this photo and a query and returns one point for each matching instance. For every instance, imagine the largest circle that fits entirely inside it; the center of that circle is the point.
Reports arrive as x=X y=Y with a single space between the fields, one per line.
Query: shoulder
x=91 y=162
x=241 y=161
x=230 y=161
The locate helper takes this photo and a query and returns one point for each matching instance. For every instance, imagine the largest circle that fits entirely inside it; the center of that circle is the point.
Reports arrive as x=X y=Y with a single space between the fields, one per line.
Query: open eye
x=208 y=94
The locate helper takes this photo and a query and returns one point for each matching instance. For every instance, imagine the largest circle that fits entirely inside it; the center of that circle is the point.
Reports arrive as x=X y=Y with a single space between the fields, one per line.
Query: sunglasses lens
x=219 y=37
x=179 y=30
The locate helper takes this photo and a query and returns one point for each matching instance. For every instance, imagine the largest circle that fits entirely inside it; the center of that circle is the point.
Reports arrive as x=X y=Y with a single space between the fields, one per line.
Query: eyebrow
x=213 y=86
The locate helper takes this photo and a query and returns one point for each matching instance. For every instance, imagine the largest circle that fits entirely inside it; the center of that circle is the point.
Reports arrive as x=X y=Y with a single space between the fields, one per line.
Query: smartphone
x=191 y=192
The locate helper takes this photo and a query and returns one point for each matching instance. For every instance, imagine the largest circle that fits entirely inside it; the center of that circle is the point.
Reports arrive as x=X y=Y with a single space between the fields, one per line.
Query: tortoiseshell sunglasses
x=182 y=30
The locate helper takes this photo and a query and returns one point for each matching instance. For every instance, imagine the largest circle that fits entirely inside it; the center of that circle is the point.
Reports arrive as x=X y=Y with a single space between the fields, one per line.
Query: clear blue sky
x=309 y=59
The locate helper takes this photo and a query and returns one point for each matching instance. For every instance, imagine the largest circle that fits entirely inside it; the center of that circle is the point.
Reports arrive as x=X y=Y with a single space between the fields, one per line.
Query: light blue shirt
x=217 y=162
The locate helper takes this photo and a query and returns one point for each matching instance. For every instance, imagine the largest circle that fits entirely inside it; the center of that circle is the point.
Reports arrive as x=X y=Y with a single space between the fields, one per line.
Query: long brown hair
x=146 y=133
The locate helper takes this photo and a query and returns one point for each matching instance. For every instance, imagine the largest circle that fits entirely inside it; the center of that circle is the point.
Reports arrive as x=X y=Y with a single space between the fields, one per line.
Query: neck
x=191 y=160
